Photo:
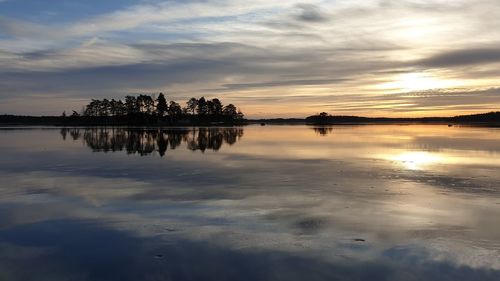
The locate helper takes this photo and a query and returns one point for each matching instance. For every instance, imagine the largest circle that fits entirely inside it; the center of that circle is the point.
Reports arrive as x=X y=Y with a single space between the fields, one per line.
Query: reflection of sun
x=417 y=82
x=416 y=160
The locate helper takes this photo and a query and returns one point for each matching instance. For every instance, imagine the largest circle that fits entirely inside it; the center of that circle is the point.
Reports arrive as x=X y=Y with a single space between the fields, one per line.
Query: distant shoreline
x=491 y=119
x=483 y=119
x=284 y=122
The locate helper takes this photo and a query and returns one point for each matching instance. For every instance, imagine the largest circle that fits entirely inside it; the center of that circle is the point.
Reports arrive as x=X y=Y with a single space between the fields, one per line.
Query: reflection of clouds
x=315 y=222
x=279 y=189
x=116 y=255
x=90 y=189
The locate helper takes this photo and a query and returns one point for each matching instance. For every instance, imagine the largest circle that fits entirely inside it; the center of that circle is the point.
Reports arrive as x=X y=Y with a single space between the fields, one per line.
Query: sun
x=417 y=81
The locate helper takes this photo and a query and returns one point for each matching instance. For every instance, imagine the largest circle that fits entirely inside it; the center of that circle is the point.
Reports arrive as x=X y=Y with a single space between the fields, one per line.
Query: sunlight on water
x=417 y=160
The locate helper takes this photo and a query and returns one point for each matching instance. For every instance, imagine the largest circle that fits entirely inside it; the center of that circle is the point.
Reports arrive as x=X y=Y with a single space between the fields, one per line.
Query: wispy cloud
x=241 y=49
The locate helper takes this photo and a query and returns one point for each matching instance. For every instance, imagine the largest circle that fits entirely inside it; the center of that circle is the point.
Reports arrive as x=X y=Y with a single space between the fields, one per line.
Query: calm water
x=253 y=203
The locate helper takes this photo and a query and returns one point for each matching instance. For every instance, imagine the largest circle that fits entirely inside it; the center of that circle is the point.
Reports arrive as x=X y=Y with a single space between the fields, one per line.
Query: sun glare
x=416 y=160
x=418 y=82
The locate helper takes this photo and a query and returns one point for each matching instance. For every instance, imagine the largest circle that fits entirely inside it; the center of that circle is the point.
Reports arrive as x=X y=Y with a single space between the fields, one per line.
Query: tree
x=202 y=106
x=239 y=115
x=140 y=103
x=149 y=104
x=216 y=106
x=105 y=108
x=230 y=110
x=210 y=107
x=161 y=105
x=192 y=104
x=92 y=109
x=174 y=109
x=145 y=104
x=120 y=108
x=115 y=108
x=131 y=105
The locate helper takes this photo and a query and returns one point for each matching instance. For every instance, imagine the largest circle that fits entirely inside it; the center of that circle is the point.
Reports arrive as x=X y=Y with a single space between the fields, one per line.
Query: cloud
x=229 y=70
x=242 y=49
x=17 y=28
x=434 y=102
x=283 y=83
x=310 y=13
x=463 y=57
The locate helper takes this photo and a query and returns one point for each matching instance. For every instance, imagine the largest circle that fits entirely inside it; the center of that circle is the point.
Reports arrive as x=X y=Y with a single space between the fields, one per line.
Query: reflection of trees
x=146 y=141
x=74 y=133
x=213 y=138
x=323 y=130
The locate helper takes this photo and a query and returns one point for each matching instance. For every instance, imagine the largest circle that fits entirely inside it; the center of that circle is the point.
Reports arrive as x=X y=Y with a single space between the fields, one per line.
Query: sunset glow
x=249 y=140
x=272 y=59
x=410 y=82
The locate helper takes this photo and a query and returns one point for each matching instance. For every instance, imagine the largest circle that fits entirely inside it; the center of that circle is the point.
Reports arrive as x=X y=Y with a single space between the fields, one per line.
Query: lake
x=375 y=202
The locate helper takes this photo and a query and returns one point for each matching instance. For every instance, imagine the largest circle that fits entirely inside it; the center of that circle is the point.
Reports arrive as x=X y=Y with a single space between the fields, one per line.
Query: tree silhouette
x=117 y=108
x=192 y=104
x=230 y=110
x=145 y=104
x=210 y=107
x=131 y=105
x=161 y=105
x=174 y=109
x=104 y=108
x=144 y=110
x=202 y=106
x=92 y=109
x=216 y=106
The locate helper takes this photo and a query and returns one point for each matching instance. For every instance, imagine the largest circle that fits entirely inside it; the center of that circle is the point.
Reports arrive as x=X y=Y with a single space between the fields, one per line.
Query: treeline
x=491 y=118
x=140 y=110
x=144 y=109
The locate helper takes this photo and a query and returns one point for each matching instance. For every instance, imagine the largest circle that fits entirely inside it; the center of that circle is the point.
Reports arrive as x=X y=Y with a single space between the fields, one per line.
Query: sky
x=405 y=58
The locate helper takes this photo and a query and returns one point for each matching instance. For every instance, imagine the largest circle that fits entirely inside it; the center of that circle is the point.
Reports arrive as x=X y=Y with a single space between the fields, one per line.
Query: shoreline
x=339 y=124
x=490 y=119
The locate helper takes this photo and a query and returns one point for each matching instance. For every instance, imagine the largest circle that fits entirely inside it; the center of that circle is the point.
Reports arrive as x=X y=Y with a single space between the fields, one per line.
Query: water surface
x=255 y=203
